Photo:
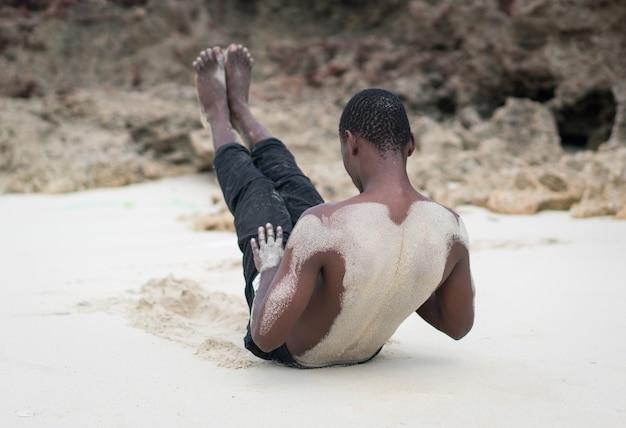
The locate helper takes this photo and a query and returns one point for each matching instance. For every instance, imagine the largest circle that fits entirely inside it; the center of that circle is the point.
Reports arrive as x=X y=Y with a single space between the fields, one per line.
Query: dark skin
x=312 y=303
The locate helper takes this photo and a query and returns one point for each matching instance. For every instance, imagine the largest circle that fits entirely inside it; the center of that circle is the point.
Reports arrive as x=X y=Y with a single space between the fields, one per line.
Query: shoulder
x=460 y=232
x=317 y=211
x=313 y=236
x=428 y=208
x=310 y=226
x=325 y=226
x=445 y=219
x=329 y=209
x=326 y=209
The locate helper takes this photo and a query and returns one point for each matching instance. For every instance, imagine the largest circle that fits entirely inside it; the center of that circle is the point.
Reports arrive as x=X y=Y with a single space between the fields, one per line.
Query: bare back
x=371 y=273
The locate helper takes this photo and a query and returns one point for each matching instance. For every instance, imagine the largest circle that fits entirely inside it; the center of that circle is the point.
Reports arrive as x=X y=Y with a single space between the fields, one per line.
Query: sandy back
x=391 y=269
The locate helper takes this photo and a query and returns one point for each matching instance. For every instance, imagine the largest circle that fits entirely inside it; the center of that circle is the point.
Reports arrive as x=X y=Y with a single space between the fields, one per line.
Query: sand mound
x=181 y=310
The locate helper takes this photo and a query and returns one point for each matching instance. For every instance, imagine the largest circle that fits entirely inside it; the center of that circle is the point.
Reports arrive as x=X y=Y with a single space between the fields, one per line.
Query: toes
x=235 y=49
x=240 y=52
x=206 y=57
x=219 y=56
x=199 y=62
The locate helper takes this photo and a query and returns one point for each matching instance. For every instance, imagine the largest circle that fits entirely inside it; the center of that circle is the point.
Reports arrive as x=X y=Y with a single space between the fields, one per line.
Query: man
x=353 y=270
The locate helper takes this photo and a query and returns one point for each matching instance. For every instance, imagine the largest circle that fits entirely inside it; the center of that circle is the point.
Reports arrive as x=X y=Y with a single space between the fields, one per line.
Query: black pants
x=262 y=186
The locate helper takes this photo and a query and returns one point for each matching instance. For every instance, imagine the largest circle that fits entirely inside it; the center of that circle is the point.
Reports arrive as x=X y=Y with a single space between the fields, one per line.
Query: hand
x=267 y=253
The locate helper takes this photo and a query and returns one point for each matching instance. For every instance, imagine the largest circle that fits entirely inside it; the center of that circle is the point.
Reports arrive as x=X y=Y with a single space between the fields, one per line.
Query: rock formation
x=519 y=106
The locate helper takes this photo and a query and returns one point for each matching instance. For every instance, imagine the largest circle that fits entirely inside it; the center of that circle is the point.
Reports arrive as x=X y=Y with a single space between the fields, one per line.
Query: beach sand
x=114 y=312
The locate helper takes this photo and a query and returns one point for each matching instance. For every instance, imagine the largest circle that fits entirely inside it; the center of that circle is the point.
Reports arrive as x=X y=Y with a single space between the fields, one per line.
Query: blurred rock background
x=518 y=106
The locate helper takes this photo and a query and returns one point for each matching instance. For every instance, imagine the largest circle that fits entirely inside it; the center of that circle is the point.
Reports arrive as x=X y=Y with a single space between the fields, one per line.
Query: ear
x=352 y=142
x=411 y=145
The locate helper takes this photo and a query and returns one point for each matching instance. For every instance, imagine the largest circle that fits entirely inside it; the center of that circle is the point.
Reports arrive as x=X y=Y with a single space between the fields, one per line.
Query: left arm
x=450 y=308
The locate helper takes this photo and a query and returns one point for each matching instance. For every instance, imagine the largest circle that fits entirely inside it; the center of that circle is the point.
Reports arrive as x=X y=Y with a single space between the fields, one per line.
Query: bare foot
x=238 y=67
x=211 y=82
x=211 y=88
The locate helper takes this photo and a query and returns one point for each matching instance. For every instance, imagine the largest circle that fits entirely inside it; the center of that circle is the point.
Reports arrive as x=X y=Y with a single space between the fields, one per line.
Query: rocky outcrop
x=605 y=183
x=519 y=169
x=97 y=138
x=518 y=106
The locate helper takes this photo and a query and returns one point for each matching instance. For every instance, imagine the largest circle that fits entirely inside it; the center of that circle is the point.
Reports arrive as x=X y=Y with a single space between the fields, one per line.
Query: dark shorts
x=262 y=186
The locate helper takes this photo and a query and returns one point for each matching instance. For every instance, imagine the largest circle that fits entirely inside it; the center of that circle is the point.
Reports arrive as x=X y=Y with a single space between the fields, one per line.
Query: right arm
x=450 y=308
x=286 y=286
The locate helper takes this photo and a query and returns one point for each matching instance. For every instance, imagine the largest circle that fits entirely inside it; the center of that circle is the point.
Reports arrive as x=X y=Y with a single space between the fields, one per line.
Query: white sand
x=114 y=313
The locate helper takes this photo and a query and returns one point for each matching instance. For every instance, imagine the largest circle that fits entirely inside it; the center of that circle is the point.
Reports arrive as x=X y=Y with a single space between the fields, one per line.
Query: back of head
x=379 y=117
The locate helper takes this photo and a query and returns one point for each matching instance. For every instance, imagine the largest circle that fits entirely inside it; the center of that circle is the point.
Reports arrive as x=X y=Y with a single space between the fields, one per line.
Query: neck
x=388 y=174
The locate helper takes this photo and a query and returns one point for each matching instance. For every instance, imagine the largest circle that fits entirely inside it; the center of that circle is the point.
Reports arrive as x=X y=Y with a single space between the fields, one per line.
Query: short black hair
x=379 y=117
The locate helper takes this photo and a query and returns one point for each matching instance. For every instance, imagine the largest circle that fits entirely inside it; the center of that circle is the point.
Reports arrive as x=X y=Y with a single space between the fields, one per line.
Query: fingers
x=270 y=233
x=261 y=233
x=279 y=235
x=267 y=248
x=266 y=236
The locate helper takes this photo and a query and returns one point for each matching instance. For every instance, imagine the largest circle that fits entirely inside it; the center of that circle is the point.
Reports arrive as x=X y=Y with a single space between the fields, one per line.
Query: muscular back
x=370 y=273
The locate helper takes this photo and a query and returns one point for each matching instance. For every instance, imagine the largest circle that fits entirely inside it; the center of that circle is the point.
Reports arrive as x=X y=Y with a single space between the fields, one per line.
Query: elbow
x=459 y=332
x=265 y=342
x=458 y=329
